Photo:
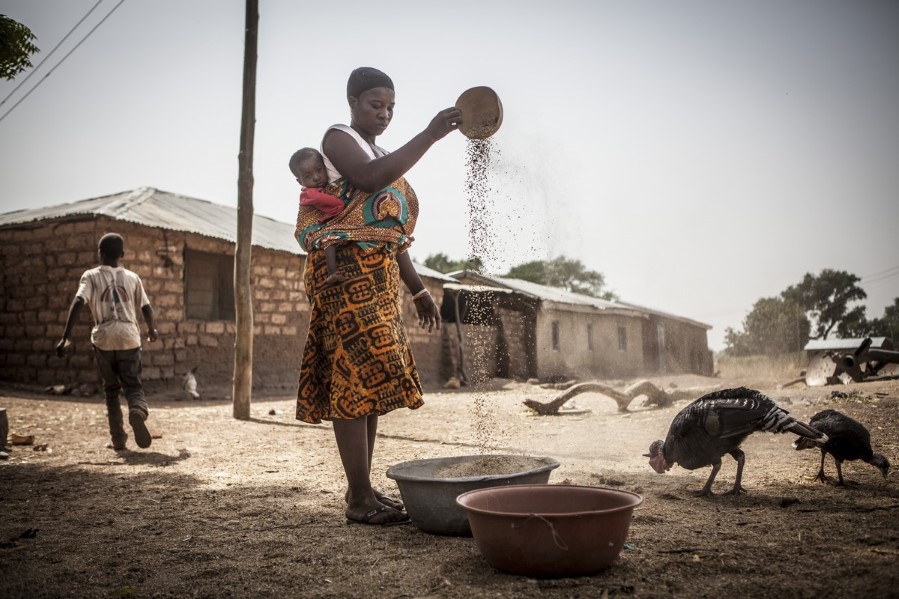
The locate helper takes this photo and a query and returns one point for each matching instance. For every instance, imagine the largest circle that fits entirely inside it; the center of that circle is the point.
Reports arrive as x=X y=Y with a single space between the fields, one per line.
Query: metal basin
x=430 y=495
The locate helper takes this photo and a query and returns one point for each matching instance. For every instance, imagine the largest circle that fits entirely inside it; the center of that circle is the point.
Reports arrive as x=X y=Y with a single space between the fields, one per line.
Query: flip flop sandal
x=386 y=500
x=367 y=518
x=391 y=502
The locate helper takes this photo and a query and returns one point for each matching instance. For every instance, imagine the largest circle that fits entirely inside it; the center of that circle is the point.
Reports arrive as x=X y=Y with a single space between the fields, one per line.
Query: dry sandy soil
x=224 y=508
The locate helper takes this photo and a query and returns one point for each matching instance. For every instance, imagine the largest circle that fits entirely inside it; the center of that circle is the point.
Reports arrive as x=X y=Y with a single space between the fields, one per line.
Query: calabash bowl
x=482 y=112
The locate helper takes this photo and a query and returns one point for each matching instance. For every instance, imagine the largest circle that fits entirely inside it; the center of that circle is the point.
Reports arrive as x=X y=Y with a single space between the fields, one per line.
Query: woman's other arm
x=428 y=314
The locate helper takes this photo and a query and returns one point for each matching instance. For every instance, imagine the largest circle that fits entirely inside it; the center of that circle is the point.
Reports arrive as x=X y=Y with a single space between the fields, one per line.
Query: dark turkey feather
x=717 y=424
x=847 y=440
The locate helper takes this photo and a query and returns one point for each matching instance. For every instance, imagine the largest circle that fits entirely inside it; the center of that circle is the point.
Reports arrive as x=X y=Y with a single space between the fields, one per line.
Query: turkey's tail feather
x=778 y=420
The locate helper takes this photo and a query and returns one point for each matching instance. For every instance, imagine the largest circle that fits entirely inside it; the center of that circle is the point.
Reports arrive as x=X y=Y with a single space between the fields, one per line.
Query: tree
x=855 y=324
x=565 y=273
x=826 y=299
x=443 y=263
x=773 y=326
x=16 y=47
x=888 y=324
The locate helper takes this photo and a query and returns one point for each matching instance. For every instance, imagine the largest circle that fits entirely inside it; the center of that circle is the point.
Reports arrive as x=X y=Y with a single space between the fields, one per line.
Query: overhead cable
x=55 y=48
x=69 y=53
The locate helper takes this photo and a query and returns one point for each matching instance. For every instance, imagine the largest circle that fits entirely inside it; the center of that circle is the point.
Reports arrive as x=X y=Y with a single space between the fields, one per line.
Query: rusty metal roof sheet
x=161 y=209
x=563 y=296
x=155 y=208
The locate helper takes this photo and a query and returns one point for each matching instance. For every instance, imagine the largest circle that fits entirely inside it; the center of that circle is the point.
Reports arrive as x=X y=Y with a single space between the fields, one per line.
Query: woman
x=357 y=362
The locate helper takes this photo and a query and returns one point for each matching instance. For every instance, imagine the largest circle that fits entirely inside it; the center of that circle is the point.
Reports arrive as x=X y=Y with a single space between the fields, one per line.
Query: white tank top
x=371 y=150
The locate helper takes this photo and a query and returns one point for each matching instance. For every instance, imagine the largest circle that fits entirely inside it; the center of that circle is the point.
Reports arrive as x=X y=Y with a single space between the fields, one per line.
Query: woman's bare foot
x=384 y=500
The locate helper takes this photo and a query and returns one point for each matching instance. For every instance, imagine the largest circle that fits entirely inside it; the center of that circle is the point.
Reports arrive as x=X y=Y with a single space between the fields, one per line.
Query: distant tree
x=736 y=343
x=888 y=324
x=443 y=263
x=565 y=273
x=16 y=47
x=773 y=326
x=826 y=299
x=855 y=324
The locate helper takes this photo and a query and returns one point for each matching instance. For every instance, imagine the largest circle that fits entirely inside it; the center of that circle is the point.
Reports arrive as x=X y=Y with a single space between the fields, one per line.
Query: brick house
x=183 y=249
x=535 y=331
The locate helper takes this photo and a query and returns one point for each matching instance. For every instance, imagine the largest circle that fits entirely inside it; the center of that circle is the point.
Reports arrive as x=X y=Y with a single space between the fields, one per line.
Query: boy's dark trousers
x=120 y=371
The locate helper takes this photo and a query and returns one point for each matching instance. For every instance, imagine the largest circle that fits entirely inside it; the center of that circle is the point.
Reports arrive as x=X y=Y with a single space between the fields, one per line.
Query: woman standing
x=357 y=361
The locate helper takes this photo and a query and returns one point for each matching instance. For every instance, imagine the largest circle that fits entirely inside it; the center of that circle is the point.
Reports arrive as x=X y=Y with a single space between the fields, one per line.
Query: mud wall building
x=549 y=333
x=183 y=250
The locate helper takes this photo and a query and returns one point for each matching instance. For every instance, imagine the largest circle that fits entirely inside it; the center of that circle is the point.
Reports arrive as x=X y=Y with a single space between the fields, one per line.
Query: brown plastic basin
x=548 y=531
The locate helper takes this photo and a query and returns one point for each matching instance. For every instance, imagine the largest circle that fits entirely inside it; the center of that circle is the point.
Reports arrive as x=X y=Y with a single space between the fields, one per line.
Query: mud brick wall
x=518 y=339
x=42 y=264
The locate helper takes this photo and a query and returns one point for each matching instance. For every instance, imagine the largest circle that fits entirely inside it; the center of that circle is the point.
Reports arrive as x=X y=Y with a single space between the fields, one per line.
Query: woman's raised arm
x=370 y=175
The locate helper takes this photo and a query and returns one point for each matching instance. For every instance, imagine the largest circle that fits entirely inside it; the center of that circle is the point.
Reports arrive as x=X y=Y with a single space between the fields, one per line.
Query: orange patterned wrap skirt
x=357 y=360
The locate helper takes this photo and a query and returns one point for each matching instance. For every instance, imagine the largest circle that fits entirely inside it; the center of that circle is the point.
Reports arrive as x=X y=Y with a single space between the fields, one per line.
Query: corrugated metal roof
x=563 y=296
x=155 y=208
x=424 y=271
x=843 y=344
x=152 y=207
x=542 y=292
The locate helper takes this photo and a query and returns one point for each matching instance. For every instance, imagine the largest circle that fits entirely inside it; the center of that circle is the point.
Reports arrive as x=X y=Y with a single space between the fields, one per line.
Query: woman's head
x=370 y=94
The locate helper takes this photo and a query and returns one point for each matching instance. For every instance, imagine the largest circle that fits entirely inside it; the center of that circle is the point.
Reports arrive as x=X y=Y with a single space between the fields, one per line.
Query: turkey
x=848 y=440
x=716 y=424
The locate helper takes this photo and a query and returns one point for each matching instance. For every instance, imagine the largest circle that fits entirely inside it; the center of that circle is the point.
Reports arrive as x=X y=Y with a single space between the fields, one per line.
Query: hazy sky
x=700 y=154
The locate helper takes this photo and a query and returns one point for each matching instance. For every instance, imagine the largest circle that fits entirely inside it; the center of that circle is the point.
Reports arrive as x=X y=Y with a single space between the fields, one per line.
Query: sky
x=700 y=154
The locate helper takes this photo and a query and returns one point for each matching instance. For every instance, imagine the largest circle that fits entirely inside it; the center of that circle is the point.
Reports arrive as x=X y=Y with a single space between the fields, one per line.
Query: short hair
x=112 y=245
x=301 y=155
x=365 y=78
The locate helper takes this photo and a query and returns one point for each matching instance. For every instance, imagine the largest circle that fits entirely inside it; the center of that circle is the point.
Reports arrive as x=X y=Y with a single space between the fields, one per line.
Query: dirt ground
x=224 y=508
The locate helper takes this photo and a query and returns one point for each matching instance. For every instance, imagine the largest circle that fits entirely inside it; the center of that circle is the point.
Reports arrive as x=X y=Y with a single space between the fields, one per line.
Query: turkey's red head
x=656 y=457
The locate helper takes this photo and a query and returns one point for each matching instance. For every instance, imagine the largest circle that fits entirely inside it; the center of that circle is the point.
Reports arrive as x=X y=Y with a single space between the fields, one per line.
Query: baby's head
x=308 y=166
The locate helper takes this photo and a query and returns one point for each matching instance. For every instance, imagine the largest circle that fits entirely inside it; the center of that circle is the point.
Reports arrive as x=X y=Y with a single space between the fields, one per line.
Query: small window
x=622 y=338
x=590 y=336
x=208 y=286
x=555 y=335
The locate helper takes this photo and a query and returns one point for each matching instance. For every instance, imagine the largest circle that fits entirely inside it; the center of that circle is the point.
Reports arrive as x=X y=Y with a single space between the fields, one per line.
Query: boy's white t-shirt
x=114 y=296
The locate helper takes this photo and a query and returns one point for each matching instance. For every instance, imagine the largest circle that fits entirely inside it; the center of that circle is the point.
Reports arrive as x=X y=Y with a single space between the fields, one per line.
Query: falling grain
x=481 y=246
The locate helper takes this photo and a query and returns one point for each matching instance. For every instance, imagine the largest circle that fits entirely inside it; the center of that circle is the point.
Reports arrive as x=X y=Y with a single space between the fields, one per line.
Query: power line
x=62 y=60
x=882 y=275
x=47 y=57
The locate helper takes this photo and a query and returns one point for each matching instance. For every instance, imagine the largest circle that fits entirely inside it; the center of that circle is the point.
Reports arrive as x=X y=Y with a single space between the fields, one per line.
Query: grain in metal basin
x=429 y=488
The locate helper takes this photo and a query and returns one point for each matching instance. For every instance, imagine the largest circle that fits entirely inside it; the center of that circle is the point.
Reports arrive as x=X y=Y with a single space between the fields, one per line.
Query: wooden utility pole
x=243 y=290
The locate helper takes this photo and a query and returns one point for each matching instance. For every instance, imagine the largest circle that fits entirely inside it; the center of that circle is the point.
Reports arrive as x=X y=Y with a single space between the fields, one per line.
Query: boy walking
x=113 y=295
